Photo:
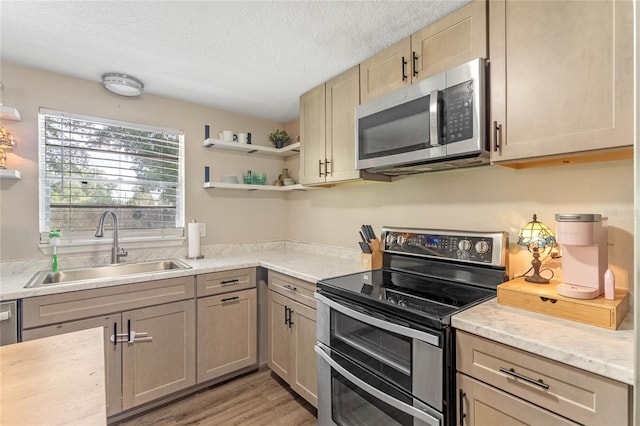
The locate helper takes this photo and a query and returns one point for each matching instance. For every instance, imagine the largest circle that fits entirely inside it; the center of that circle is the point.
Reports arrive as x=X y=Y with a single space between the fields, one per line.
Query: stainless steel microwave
x=435 y=124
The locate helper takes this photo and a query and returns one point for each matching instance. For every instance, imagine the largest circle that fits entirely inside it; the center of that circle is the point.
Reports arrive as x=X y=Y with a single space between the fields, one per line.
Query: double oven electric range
x=385 y=344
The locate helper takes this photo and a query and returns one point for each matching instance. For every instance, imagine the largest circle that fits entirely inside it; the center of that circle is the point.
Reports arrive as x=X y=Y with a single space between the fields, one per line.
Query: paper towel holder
x=196 y=248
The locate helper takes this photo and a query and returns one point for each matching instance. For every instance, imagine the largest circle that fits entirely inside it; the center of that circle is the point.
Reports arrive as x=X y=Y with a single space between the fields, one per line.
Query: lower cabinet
x=227 y=333
x=150 y=342
x=159 y=357
x=498 y=384
x=112 y=352
x=149 y=352
x=485 y=405
x=292 y=334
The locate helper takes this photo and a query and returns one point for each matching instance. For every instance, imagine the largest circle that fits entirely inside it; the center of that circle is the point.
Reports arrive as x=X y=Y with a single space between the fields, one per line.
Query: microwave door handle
x=406 y=408
x=434 y=119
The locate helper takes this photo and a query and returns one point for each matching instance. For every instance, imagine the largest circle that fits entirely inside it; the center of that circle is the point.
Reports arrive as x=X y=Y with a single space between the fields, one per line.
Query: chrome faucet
x=116 y=253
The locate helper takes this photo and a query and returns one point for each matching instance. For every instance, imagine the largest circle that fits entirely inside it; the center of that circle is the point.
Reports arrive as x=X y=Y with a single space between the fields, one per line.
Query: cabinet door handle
x=290 y=288
x=414 y=63
x=326 y=168
x=513 y=373
x=230 y=299
x=286 y=315
x=461 y=413
x=404 y=69
x=319 y=168
x=115 y=333
x=229 y=282
x=497 y=130
x=290 y=322
x=129 y=331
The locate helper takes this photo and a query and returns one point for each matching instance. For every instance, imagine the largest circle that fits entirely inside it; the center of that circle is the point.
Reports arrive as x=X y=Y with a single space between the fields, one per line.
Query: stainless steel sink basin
x=47 y=278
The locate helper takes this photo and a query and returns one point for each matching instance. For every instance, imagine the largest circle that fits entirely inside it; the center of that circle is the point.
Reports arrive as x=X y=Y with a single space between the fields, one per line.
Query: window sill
x=99 y=245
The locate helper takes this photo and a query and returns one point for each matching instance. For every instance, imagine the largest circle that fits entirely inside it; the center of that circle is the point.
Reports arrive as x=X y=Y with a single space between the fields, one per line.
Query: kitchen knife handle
x=404 y=69
x=414 y=63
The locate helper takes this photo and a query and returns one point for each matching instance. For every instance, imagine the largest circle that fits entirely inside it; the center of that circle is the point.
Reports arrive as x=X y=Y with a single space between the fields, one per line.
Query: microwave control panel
x=459 y=112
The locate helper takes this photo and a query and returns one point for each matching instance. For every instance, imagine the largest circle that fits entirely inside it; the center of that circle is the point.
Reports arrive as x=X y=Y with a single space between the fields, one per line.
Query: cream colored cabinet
x=561 y=79
x=113 y=357
x=159 y=357
x=486 y=405
x=498 y=384
x=327 y=128
x=292 y=334
x=227 y=333
x=227 y=323
x=453 y=40
x=149 y=330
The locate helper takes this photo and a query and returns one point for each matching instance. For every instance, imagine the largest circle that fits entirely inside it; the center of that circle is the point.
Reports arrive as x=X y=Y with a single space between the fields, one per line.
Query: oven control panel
x=475 y=247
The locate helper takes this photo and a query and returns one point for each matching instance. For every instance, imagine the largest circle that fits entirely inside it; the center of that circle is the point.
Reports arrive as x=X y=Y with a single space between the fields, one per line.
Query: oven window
x=387 y=354
x=353 y=406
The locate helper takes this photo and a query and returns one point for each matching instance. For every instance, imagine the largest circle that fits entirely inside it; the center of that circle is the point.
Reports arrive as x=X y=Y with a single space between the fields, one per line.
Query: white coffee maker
x=584 y=255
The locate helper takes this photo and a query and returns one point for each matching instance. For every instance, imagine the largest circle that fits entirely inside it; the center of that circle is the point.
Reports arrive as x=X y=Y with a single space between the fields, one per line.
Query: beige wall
x=487 y=198
x=231 y=216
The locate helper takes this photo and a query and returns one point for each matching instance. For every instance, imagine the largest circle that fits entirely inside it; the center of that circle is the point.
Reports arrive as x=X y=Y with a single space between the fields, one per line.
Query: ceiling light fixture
x=122 y=84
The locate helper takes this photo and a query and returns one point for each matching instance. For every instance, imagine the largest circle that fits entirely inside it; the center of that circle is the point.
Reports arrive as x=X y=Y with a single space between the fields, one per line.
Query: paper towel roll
x=194 y=240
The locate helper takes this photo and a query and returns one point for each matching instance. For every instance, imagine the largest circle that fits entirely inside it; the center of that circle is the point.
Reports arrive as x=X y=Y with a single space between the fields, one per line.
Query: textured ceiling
x=253 y=57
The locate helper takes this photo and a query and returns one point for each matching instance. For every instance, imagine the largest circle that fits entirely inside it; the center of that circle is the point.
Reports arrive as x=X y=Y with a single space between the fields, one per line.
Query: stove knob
x=482 y=247
x=464 y=245
x=402 y=303
x=401 y=239
x=390 y=239
x=391 y=300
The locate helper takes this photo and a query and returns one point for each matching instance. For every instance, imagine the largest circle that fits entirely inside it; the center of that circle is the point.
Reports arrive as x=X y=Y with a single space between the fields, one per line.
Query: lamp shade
x=536 y=234
x=122 y=84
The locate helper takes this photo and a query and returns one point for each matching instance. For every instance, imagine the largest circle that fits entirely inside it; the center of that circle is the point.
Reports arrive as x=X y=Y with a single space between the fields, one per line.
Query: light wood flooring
x=260 y=398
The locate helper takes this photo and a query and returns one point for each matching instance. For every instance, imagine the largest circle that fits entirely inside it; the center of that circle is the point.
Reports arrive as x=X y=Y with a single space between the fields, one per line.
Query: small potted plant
x=279 y=138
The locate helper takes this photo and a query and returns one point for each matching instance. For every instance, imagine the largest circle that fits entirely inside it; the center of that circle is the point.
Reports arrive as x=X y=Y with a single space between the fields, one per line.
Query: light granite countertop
x=598 y=350
x=601 y=351
x=308 y=266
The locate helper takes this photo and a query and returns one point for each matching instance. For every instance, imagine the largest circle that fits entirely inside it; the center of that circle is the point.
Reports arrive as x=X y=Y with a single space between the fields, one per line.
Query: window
x=89 y=165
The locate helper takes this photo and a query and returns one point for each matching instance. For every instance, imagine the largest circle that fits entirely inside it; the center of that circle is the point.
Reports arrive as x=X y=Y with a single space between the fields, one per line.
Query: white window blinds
x=89 y=165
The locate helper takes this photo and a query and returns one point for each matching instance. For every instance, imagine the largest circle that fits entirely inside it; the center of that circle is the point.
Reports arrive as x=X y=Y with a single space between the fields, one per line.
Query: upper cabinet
x=327 y=131
x=453 y=40
x=561 y=79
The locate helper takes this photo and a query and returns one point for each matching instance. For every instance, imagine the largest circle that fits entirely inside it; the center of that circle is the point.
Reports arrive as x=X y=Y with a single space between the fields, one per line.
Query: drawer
x=480 y=404
x=225 y=281
x=573 y=393
x=293 y=288
x=61 y=307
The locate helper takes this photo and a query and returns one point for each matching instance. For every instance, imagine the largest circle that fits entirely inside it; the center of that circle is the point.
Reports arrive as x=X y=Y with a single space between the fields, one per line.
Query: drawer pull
x=230 y=299
x=290 y=288
x=229 y=282
x=545 y=299
x=512 y=372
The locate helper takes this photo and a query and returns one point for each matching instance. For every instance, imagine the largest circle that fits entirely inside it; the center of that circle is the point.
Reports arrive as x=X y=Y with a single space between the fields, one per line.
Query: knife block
x=372 y=260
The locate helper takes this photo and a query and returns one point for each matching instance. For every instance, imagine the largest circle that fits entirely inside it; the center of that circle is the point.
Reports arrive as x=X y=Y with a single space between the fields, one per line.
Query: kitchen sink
x=47 y=278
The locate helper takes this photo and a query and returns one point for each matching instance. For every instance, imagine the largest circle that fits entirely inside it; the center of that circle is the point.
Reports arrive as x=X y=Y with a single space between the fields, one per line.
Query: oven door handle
x=385 y=325
x=406 y=408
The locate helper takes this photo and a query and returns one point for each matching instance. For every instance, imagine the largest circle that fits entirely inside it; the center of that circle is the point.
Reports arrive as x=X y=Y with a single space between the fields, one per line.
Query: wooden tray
x=544 y=299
